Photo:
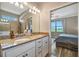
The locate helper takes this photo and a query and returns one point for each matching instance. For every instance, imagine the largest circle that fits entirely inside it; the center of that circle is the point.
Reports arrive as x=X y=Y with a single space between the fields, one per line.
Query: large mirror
x=8 y=22
x=13 y=18
x=64 y=20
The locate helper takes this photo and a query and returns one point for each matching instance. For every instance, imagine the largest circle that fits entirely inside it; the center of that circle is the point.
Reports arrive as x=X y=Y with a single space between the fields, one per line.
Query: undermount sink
x=23 y=39
x=15 y=42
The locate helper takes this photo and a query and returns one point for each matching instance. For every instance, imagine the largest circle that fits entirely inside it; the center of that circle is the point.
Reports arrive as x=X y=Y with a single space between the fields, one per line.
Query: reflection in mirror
x=29 y=22
x=16 y=19
x=25 y=22
x=64 y=20
x=8 y=22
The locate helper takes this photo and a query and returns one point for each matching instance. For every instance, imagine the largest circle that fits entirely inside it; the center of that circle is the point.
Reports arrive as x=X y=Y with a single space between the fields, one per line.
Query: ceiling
x=6 y=6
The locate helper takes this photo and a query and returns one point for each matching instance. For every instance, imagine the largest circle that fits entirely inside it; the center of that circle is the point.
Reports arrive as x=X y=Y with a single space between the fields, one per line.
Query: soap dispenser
x=12 y=34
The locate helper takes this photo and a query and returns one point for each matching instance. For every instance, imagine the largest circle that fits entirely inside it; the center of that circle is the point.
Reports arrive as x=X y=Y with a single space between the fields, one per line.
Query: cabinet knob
x=39 y=52
x=23 y=55
x=26 y=54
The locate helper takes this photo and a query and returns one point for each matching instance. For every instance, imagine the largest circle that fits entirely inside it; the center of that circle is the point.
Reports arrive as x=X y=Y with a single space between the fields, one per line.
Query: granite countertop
x=8 y=43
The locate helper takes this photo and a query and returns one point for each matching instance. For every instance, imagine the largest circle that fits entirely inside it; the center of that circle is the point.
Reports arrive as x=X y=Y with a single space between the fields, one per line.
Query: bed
x=67 y=41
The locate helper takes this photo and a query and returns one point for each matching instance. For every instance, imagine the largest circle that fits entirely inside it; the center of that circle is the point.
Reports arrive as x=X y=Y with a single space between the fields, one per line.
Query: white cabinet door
x=39 y=51
x=39 y=48
x=35 y=23
x=38 y=42
x=15 y=51
x=44 y=51
x=45 y=46
x=28 y=53
x=42 y=47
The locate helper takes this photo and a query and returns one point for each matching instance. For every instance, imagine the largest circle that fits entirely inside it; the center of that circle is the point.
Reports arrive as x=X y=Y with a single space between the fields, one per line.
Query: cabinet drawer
x=39 y=47
x=45 y=43
x=14 y=51
x=45 y=39
x=44 y=51
x=38 y=42
x=28 y=53
x=39 y=52
x=45 y=46
x=39 y=55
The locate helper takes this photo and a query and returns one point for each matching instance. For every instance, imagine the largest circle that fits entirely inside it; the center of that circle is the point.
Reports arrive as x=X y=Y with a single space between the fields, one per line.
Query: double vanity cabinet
x=34 y=48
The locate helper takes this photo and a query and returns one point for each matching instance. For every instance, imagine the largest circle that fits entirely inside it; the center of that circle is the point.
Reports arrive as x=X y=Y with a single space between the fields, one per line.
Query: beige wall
x=35 y=19
x=35 y=23
x=4 y=27
x=71 y=25
x=45 y=14
x=14 y=26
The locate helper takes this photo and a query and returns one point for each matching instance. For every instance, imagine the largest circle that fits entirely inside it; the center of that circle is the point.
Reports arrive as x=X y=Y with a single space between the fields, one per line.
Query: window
x=56 y=26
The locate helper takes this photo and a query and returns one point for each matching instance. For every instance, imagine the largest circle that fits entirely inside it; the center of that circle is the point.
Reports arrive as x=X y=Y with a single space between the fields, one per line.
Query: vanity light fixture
x=37 y=10
x=33 y=9
x=33 y=12
x=30 y=10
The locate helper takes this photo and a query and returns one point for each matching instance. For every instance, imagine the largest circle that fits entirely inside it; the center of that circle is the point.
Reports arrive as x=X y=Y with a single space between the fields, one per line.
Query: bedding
x=67 y=41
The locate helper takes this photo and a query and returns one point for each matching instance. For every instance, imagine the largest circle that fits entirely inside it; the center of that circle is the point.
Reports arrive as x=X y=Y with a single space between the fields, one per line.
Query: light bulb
x=34 y=12
x=21 y=6
x=34 y=8
x=16 y=4
x=30 y=10
x=38 y=11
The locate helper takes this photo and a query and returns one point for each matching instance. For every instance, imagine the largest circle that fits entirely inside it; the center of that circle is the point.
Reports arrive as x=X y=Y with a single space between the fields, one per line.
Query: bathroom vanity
x=33 y=46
